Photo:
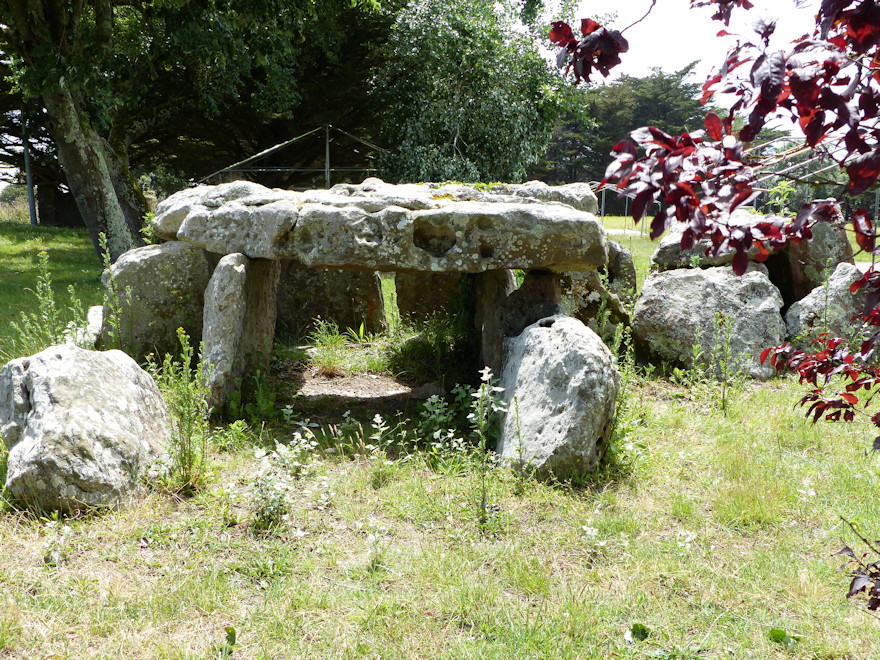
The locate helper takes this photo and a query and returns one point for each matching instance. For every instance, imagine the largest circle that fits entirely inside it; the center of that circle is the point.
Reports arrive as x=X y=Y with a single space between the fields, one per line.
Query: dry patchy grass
x=707 y=529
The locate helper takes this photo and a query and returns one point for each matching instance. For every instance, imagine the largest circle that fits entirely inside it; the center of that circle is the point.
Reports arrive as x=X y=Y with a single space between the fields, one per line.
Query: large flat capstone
x=386 y=228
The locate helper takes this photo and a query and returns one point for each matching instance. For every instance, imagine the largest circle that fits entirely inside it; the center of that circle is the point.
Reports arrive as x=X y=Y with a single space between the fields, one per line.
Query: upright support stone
x=491 y=289
x=539 y=296
x=560 y=385
x=160 y=288
x=423 y=295
x=349 y=298
x=239 y=320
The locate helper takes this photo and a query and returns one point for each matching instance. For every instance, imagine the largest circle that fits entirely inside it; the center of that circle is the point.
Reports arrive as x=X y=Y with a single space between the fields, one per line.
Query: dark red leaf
x=713 y=126
x=858 y=584
x=864 y=231
x=828 y=14
x=863 y=26
x=640 y=203
x=658 y=225
x=863 y=172
x=847 y=551
x=723 y=8
x=561 y=33
x=588 y=26
x=740 y=261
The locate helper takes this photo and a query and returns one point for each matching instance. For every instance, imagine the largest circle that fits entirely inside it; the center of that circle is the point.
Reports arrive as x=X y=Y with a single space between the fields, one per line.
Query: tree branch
x=650 y=9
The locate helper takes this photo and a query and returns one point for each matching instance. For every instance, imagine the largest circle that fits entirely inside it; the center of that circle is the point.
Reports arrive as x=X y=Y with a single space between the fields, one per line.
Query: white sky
x=673 y=35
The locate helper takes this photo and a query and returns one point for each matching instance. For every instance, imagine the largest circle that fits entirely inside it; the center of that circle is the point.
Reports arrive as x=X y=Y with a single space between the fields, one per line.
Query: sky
x=673 y=35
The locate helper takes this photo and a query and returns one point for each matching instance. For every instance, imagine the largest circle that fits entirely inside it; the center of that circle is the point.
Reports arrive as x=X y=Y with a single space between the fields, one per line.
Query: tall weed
x=185 y=390
x=49 y=325
x=114 y=302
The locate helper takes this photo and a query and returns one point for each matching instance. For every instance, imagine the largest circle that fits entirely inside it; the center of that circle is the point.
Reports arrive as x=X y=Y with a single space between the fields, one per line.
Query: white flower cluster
x=279 y=468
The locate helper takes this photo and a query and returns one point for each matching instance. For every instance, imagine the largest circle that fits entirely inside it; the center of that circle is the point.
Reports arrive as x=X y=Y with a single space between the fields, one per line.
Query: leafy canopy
x=466 y=94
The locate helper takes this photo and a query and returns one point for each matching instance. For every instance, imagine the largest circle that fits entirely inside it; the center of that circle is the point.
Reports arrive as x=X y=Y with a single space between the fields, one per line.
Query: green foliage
x=49 y=325
x=114 y=302
x=148 y=231
x=279 y=469
x=13 y=194
x=444 y=347
x=162 y=180
x=778 y=197
x=186 y=393
x=580 y=147
x=486 y=413
x=465 y=95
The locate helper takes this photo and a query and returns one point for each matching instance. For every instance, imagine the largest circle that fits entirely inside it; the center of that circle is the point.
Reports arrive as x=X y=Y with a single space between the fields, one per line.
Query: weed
x=485 y=416
x=725 y=368
x=56 y=547
x=48 y=325
x=443 y=345
x=114 y=302
x=279 y=468
x=329 y=354
x=186 y=392
x=231 y=437
x=253 y=397
x=226 y=648
x=522 y=466
x=148 y=231
x=359 y=336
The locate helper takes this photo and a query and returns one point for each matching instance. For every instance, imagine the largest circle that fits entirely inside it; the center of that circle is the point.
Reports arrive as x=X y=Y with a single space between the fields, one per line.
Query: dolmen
x=226 y=246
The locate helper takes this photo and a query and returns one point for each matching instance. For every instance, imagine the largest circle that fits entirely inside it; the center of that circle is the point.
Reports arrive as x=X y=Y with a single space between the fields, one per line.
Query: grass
x=709 y=544
x=634 y=240
x=701 y=532
x=72 y=261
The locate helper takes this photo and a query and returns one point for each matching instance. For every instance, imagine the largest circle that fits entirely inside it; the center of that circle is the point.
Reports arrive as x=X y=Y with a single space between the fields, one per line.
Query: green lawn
x=72 y=262
x=708 y=530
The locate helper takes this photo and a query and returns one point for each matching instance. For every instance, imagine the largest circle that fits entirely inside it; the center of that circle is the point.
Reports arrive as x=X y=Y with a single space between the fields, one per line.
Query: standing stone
x=828 y=308
x=83 y=429
x=167 y=284
x=676 y=311
x=795 y=271
x=560 y=386
x=421 y=296
x=491 y=289
x=349 y=298
x=812 y=262
x=621 y=271
x=539 y=296
x=590 y=300
x=592 y=296
x=239 y=320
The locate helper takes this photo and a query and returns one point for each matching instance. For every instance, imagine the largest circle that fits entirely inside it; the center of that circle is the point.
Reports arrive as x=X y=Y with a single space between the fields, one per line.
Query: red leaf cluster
x=701 y=183
x=599 y=48
x=723 y=8
x=829 y=84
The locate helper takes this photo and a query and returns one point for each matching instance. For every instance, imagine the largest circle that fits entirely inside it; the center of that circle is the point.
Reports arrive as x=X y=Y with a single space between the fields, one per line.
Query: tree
x=102 y=75
x=666 y=100
x=465 y=95
x=828 y=83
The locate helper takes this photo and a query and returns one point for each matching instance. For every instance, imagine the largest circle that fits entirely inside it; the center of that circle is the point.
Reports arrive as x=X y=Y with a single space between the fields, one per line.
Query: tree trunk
x=98 y=177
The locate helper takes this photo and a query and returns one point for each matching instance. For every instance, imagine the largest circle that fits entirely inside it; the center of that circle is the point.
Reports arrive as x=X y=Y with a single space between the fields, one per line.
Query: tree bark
x=97 y=176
